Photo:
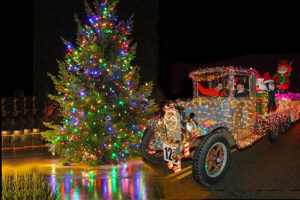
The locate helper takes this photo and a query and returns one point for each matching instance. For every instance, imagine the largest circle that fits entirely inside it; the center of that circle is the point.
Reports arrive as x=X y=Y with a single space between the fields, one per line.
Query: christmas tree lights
x=103 y=105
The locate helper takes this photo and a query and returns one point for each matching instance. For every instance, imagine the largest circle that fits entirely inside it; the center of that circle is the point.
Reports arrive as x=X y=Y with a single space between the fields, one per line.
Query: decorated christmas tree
x=104 y=107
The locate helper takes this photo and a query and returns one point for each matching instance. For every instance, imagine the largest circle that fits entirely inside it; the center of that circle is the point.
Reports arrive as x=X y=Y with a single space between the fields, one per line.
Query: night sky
x=167 y=32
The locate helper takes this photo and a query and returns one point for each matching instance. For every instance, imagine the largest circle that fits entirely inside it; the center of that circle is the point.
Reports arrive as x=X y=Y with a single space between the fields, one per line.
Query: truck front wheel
x=211 y=159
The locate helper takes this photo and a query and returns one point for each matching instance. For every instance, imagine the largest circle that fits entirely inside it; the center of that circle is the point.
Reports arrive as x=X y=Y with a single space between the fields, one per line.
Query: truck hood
x=214 y=112
x=210 y=112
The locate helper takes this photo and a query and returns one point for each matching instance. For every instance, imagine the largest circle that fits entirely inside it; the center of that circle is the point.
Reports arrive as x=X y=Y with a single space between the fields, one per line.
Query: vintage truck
x=206 y=128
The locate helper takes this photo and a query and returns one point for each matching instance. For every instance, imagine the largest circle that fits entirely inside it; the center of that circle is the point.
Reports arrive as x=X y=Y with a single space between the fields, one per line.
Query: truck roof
x=211 y=73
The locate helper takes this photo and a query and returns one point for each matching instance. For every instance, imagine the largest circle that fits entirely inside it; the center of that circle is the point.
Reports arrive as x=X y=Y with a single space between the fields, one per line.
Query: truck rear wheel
x=283 y=128
x=147 y=155
x=211 y=159
x=288 y=124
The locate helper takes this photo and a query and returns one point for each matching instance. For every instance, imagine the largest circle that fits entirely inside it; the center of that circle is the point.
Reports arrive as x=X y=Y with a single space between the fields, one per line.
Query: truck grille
x=172 y=122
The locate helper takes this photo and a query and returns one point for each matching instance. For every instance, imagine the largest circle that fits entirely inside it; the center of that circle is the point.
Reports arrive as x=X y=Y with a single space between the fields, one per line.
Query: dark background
x=174 y=37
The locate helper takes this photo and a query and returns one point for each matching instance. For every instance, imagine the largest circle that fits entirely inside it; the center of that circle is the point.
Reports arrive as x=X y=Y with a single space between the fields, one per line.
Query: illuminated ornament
x=269 y=82
x=69 y=46
x=82 y=93
x=282 y=77
x=122 y=52
x=110 y=128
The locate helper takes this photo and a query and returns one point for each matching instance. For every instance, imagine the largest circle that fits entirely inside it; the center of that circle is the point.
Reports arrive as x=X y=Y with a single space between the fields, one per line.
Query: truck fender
x=224 y=131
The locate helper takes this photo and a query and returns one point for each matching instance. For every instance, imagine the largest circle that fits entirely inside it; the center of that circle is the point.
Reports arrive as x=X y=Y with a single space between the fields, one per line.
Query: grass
x=26 y=186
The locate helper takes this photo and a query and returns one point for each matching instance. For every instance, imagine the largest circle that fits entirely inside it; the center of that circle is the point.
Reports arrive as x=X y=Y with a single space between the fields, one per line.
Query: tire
x=288 y=124
x=274 y=134
x=148 y=135
x=282 y=128
x=201 y=169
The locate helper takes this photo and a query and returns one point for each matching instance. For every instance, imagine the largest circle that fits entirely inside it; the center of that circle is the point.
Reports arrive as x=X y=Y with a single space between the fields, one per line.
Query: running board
x=248 y=141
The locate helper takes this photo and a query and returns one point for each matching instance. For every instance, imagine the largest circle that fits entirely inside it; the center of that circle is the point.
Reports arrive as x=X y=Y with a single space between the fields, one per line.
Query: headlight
x=191 y=126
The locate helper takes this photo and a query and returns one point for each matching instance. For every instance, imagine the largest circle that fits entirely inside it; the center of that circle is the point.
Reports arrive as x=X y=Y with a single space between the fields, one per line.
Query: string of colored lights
x=103 y=104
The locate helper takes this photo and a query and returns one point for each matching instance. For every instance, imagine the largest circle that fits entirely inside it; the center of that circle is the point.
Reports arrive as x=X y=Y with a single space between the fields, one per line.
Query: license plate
x=168 y=153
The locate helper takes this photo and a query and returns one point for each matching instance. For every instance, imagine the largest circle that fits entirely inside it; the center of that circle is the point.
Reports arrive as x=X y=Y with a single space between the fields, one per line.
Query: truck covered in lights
x=206 y=127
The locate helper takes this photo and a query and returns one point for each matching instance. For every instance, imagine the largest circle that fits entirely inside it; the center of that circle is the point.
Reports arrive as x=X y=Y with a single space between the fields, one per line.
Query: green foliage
x=26 y=186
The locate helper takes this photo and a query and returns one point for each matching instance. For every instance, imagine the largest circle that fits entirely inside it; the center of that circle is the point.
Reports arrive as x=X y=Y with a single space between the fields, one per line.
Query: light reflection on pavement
x=109 y=182
x=133 y=180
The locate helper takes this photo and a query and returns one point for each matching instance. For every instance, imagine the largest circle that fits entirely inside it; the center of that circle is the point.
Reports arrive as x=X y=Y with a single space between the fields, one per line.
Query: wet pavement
x=133 y=180
x=267 y=170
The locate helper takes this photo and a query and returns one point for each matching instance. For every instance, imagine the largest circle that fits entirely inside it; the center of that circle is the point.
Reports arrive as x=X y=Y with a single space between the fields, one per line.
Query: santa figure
x=269 y=83
x=282 y=77
x=260 y=86
x=260 y=92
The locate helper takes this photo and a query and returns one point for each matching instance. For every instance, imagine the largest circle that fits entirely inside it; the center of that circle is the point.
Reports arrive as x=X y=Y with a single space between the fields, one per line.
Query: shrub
x=26 y=186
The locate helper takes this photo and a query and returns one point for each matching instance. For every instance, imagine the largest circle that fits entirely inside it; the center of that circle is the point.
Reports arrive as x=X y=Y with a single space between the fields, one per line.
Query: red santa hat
x=258 y=76
x=267 y=78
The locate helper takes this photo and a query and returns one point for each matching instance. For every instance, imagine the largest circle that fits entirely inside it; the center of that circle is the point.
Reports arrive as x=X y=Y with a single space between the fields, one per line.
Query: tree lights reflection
x=112 y=182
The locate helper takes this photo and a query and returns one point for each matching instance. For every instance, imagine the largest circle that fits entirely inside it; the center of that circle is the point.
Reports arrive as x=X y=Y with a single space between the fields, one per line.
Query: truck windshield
x=216 y=87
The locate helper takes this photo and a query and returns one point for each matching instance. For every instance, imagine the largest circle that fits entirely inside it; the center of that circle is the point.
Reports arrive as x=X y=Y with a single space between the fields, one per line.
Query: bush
x=26 y=186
